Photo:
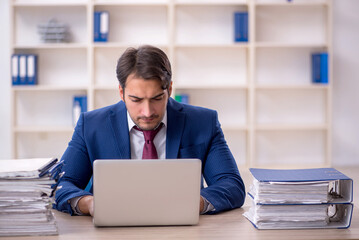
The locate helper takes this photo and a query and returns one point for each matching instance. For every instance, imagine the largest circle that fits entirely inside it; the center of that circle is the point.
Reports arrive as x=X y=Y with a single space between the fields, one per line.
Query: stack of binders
x=25 y=196
x=301 y=198
x=24 y=69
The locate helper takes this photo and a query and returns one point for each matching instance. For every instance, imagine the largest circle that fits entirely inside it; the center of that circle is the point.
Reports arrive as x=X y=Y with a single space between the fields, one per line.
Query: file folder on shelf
x=24 y=69
x=300 y=198
x=101 y=26
x=320 y=67
x=79 y=106
x=241 y=26
x=15 y=77
x=31 y=69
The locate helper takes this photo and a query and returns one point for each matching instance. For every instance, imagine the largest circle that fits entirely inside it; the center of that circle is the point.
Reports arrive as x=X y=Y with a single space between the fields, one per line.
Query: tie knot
x=150 y=134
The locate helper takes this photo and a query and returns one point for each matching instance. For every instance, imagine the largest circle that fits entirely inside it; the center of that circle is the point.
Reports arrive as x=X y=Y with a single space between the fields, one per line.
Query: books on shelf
x=24 y=69
x=300 y=198
x=26 y=187
x=320 y=67
x=182 y=98
x=241 y=26
x=101 y=26
x=79 y=105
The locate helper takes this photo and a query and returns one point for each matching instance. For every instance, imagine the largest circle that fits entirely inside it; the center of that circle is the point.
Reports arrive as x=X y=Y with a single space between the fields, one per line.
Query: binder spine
x=22 y=70
x=320 y=68
x=101 y=26
x=15 y=77
x=31 y=69
x=241 y=27
x=182 y=98
x=79 y=106
x=96 y=34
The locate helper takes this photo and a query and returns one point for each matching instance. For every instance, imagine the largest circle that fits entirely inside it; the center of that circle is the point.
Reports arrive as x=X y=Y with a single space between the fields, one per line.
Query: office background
x=345 y=127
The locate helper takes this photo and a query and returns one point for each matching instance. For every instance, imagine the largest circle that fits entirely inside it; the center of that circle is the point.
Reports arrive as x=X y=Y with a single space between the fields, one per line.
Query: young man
x=178 y=131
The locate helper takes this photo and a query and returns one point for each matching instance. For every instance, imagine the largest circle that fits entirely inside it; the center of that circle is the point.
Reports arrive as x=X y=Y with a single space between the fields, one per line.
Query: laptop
x=146 y=192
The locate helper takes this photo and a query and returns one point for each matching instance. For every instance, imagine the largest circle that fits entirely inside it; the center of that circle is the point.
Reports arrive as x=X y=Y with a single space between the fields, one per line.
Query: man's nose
x=147 y=109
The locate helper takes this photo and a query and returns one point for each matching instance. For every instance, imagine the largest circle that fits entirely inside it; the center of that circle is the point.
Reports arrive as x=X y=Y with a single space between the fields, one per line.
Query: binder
x=31 y=69
x=320 y=68
x=182 y=98
x=101 y=26
x=79 y=106
x=22 y=70
x=241 y=26
x=15 y=77
x=279 y=197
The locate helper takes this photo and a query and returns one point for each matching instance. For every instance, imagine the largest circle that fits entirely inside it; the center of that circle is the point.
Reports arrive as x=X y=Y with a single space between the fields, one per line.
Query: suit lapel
x=175 y=125
x=118 y=121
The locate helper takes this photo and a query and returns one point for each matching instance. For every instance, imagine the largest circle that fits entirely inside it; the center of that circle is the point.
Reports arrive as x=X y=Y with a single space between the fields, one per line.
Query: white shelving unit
x=271 y=113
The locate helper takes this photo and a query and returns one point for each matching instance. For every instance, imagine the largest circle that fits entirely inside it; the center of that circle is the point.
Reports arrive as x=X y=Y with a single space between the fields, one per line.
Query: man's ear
x=170 y=89
x=122 y=93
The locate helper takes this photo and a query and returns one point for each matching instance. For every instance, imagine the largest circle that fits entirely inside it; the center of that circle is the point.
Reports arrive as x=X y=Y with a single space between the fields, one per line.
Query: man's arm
x=77 y=171
x=225 y=186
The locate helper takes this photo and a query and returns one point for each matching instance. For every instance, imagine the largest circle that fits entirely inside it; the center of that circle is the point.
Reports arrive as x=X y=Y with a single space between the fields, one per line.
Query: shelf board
x=289 y=127
x=213 y=45
x=293 y=3
x=43 y=129
x=34 y=88
x=44 y=3
x=52 y=46
x=290 y=87
x=106 y=88
x=210 y=87
x=100 y=45
x=130 y=3
x=234 y=128
x=289 y=45
x=209 y=3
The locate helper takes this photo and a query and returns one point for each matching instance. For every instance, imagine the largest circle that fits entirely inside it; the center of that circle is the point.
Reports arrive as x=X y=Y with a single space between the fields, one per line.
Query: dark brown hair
x=146 y=62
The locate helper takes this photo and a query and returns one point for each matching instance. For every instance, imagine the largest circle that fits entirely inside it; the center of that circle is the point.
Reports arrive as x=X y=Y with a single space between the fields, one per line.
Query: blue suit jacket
x=192 y=132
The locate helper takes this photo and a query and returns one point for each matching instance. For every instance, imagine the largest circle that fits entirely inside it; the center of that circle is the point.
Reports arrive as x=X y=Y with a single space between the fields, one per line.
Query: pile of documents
x=25 y=190
x=302 y=198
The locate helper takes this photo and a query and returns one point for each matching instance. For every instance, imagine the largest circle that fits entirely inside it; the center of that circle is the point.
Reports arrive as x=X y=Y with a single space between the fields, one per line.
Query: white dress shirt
x=137 y=139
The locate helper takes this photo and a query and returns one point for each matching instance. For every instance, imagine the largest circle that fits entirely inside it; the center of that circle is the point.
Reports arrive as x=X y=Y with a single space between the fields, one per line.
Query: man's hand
x=201 y=204
x=85 y=205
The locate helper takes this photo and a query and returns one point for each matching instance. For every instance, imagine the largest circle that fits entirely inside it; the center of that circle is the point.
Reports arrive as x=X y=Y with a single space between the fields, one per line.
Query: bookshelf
x=271 y=113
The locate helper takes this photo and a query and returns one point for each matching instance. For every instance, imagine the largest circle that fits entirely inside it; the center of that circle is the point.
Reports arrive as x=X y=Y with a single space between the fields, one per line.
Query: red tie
x=149 y=149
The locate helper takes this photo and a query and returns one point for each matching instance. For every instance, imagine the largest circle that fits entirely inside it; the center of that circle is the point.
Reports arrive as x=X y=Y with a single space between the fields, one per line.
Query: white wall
x=345 y=94
x=5 y=147
x=346 y=82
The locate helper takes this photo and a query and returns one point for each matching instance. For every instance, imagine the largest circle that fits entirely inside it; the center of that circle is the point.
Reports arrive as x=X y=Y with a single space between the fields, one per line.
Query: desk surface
x=227 y=225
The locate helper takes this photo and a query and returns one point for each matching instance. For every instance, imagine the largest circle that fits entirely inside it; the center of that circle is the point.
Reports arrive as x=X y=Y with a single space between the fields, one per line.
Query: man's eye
x=135 y=100
x=158 y=98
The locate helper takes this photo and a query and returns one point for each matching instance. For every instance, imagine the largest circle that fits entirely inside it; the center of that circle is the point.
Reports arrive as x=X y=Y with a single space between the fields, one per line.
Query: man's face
x=145 y=101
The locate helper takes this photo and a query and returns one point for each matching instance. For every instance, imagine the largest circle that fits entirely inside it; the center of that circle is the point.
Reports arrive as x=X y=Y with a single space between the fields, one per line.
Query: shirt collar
x=131 y=124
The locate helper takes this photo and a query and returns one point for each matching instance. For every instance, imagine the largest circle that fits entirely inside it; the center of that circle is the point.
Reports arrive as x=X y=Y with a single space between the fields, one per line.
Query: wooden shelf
x=250 y=84
x=44 y=129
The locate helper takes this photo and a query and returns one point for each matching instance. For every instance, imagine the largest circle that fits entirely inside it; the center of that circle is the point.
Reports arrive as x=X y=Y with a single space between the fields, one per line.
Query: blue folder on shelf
x=300 y=198
x=320 y=68
x=15 y=76
x=31 y=69
x=101 y=26
x=24 y=69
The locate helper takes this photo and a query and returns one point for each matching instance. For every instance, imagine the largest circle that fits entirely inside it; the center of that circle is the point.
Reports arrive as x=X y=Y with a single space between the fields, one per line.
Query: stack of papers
x=290 y=192
x=303 y=198
x=25 y=202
